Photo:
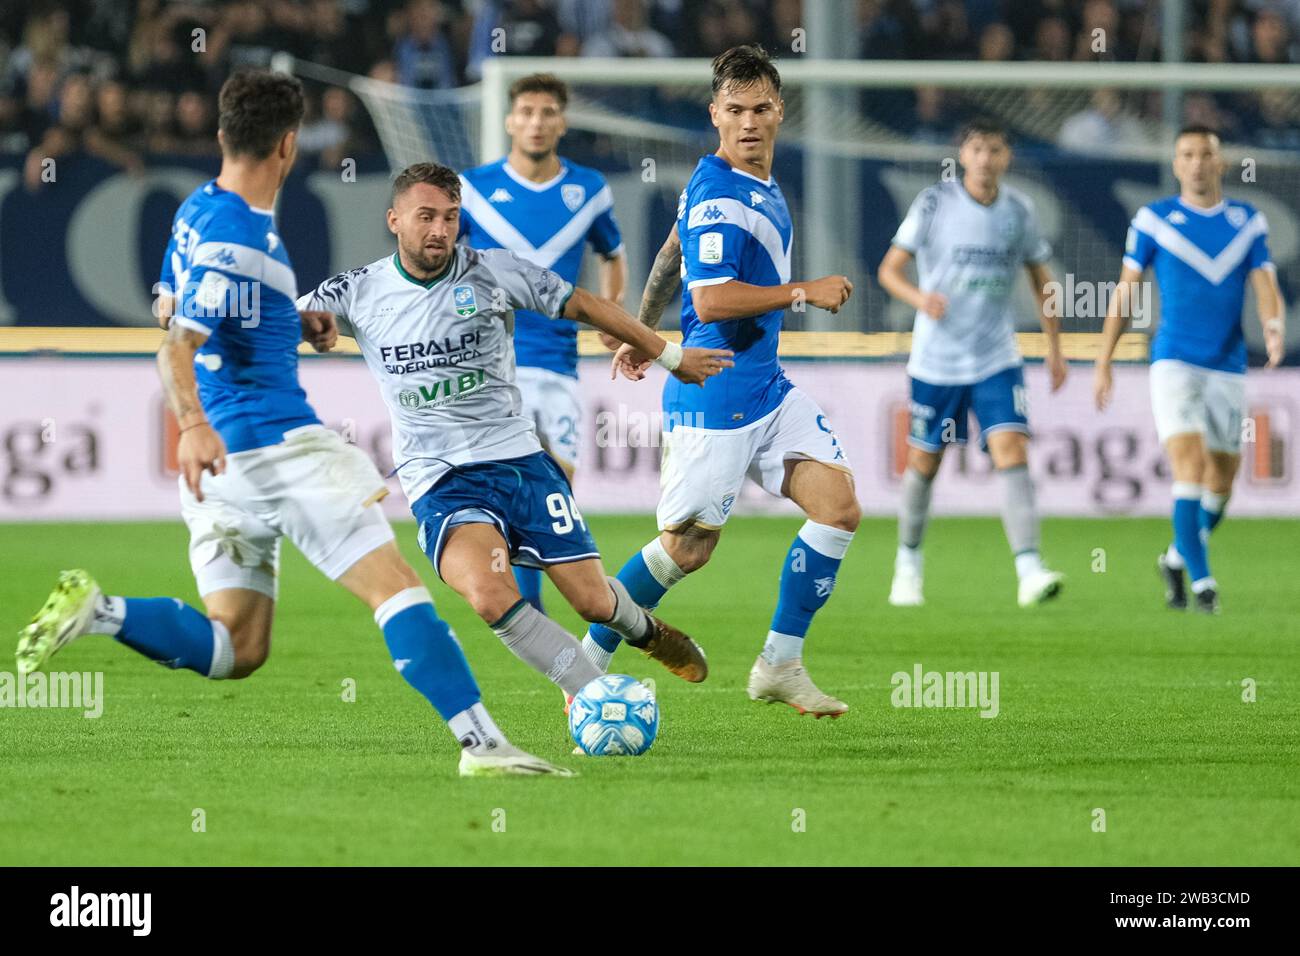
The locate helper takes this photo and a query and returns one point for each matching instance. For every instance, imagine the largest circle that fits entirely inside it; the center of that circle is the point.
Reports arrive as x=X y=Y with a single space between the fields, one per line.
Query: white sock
x=1213 y=502
x=780 y=648
x=1174 y=559
x=1203 y=584
x=109 y=615
x=662 y=567
x=477 y=731
x=1027 y=563
x=908 y=558
x=223 y=653
x=597 y=654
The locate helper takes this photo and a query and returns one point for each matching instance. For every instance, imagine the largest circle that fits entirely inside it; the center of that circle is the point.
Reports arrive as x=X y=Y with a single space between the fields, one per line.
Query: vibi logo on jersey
x=711 y=247
x=463 y=297
x=573 y=196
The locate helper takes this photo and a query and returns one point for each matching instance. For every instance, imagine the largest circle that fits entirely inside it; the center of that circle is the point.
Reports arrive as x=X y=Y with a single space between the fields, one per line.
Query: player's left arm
x=1272 y=312
x=1040 y=277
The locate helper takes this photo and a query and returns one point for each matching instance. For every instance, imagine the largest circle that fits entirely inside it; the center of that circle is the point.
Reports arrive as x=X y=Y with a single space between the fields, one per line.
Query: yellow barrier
x=1078 y=346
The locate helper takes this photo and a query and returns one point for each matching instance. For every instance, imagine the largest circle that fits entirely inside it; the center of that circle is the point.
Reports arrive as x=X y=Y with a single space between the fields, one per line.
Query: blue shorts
x=528 y=499
x=940 y=412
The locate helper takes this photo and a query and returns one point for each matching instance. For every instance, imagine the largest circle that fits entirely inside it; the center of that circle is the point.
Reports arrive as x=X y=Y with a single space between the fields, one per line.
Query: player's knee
x=594 y=605
x=491 y=601
x=846 y=516
x=252 y=648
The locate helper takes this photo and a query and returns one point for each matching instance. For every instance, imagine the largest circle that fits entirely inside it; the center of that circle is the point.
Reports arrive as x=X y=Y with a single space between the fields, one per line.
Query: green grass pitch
x=1107 y=701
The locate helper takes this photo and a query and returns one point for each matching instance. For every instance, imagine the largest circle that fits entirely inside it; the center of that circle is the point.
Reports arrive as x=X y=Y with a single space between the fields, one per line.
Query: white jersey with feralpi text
x=442 y=351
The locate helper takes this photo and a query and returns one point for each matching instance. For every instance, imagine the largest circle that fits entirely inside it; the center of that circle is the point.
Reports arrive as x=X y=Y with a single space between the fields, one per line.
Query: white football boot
x=906 y=591
x=508 y=760
x=1040 y=587
x=789 y=683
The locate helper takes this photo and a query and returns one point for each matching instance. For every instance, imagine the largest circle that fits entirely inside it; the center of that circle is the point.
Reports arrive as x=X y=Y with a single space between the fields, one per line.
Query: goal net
x=860 y=139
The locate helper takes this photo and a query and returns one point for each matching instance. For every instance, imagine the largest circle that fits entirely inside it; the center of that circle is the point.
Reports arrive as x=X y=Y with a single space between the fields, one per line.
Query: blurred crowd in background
x=125 y=78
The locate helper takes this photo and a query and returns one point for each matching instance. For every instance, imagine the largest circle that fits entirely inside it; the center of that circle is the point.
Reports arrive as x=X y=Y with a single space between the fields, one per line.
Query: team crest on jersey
x=573 y=196
x=1176 y=217
x=1236 y=216
x=1010 y=229
x=272 y=240
x=727 y=502
x=466 y=304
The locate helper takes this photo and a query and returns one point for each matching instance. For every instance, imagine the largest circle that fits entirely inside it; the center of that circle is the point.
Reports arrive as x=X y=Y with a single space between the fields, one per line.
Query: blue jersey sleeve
x=167 y=275
x=1259 y=254
x=714 y=237
x=1139 y=245
x=604 y=234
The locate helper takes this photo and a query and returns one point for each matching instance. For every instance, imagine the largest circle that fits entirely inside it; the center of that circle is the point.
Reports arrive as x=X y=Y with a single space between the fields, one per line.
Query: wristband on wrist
x=671 y=357
x=186 y=428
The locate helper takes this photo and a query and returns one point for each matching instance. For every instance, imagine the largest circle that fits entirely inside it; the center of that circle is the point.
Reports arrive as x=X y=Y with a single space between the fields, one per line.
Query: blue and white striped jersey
x=1202 y=259
x=548 y=224
x=732 y=226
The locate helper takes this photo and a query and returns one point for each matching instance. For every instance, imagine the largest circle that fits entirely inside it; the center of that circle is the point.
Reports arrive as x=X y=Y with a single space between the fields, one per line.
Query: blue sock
x=1187 y=531
x=426 y=653
x=170 y=632
x=807 y=579
x=530 y=585
x=1210 y=513
x=644 y=587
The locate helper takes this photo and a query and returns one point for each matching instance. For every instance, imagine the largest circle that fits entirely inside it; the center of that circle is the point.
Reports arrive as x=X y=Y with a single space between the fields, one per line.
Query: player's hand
x=319 y=330
x=701 y=364
x=934 y=304
x=201 y=449
x=1275 y=346
x=609 y=341
x=630 y=362
x=164 y=308
x=1057 y=368
x=1102 y=385
x=828 y=292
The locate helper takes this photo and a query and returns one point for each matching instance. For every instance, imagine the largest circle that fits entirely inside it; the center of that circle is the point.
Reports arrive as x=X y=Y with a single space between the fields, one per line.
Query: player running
x=256 y=463
x=733 y=241
x=434 y=323
x=970 y=239
x=1203 y=249
x=546 y=210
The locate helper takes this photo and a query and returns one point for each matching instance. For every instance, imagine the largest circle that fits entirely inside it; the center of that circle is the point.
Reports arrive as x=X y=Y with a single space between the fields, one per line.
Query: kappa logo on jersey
x=272 y=240
x=501 y=195
x=222 y=257
x=754 y=197
x=573 y=195
x=713 y=213
x=711 y=247
x=466 y=303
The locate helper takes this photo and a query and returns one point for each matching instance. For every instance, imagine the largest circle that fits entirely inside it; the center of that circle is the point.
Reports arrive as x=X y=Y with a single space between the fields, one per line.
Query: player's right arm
x=324 y=311
x=201 y=448
x=1117 y=317
x=893 y=279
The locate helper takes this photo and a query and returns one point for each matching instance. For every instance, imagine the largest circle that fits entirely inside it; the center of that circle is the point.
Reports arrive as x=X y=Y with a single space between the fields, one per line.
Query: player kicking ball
x=970 y=239
x=434 y=322
x=733 y=237
x=256 y=463
x=1204 y=250
x=546 y=210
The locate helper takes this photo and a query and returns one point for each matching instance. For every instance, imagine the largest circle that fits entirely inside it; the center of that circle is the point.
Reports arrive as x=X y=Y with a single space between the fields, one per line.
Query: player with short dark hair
x=734 y=235
x=970 y=240
x=1204 y=250
x=256 y=463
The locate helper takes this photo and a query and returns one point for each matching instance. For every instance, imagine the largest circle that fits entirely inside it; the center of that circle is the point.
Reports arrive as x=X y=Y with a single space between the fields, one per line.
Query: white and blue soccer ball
x=614 y=716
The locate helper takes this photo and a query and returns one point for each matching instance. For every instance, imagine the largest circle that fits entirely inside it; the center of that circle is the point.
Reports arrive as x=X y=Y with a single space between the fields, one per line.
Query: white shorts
x=703 y=468
x=1186 y=399
x=550 y=402
x=313 y=488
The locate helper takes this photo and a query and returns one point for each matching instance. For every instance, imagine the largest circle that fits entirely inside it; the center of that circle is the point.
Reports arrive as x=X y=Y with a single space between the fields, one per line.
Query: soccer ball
x=614 y=716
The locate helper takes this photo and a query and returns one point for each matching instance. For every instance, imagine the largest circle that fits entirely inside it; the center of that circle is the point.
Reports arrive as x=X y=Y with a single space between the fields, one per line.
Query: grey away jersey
x=974 y=255
x=443 y=354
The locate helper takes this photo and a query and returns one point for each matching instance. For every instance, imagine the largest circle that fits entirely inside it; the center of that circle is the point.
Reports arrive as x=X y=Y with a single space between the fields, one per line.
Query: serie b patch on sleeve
x=711 y=247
